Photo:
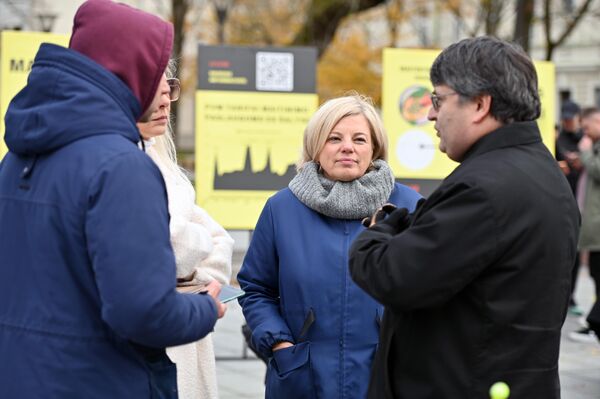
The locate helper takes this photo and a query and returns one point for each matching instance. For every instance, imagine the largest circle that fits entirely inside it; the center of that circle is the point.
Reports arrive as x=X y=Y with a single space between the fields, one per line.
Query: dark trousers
x=574 y=274
x=595 y=270
x=593 y=318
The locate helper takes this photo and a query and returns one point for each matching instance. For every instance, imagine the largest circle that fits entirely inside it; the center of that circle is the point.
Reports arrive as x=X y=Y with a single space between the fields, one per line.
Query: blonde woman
x=202 y=249
x=319 y=329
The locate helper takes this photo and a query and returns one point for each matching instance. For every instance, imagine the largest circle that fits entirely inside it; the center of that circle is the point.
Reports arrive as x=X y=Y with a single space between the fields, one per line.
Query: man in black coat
x=476 y=283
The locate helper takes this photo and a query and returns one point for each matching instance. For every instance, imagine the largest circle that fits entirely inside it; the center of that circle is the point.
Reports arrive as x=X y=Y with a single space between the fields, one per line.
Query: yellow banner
x=247 y=145
x=547 y=88
x=17 y=52
x=414 y=152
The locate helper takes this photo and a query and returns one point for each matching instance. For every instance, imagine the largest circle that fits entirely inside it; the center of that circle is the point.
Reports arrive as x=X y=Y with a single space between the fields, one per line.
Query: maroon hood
x=132 y=44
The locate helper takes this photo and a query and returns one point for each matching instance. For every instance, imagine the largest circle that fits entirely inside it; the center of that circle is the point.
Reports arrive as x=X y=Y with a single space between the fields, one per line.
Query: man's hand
x=573 y=159
x=379 y=215
x=564 y=166
x=214 y=289
x=388 y=219
x=585 y=144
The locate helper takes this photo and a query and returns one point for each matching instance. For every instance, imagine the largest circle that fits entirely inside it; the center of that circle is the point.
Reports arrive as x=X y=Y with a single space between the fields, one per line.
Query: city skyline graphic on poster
x=247 y=179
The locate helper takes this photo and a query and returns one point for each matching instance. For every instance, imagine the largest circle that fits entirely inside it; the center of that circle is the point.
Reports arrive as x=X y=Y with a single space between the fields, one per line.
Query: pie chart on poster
x=415 y=150
x=414 y=104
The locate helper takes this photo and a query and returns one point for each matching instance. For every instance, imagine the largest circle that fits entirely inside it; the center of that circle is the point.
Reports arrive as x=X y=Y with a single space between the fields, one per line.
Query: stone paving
x=580 y=362
x=241 y=375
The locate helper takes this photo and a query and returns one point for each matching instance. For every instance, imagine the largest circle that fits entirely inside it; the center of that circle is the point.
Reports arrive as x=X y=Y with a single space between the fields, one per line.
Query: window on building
x=564 y=95
x=597 y=96
x=568 y=6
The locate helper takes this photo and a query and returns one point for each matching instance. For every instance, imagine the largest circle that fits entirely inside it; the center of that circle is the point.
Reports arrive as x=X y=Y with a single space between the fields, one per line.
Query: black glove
x=419 y=204
x=379 y=215
x=389 y=220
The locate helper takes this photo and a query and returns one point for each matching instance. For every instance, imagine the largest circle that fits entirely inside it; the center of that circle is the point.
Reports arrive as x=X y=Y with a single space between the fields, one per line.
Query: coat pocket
x=289 y=374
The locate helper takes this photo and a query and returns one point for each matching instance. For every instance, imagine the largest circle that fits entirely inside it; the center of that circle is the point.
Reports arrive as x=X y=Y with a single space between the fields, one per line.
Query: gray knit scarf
x=355 y=199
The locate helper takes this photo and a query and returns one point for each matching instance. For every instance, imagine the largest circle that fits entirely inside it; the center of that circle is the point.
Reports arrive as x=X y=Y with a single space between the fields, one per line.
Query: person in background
x=87 y=273
x=567 y=155
x=318 y=329
x=203 y=249
x=568 y=139
x=476 y=283
x=589 y=202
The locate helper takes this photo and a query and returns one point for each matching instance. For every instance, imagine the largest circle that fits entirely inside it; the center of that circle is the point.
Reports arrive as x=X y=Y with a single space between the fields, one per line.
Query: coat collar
x=514 y=134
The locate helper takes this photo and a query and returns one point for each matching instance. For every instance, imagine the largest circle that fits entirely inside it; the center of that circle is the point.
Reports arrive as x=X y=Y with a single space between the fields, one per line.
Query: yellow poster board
x=17 y=52
x=247 y=144
x=547 y=89
x=414 y=152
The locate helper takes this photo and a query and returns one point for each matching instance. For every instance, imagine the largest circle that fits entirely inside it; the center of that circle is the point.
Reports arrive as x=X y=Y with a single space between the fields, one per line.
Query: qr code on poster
x=274 y=71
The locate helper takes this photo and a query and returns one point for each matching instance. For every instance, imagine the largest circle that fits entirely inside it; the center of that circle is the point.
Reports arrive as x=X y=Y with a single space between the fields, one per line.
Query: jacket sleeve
x=591 y=163
x=127 y=232
x=449 y=243
x=259 y=278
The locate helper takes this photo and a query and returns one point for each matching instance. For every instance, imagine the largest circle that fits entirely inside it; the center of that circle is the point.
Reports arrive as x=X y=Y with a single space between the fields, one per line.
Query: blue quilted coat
x=298 y=289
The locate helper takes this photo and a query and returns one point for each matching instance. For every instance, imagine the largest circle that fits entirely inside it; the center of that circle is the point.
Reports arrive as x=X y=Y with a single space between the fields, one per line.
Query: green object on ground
x=499 y=390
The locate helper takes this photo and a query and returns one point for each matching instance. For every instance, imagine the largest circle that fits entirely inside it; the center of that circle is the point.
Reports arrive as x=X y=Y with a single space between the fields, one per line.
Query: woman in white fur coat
x=202 y=249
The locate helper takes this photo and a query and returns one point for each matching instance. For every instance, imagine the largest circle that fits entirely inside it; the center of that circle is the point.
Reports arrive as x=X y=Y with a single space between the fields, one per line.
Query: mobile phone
x=229 y=293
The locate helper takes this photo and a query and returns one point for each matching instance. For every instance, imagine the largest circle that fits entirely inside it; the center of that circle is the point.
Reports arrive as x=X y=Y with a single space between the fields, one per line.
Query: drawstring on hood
x=26 y=172
x=138 y=62
x=28 y=167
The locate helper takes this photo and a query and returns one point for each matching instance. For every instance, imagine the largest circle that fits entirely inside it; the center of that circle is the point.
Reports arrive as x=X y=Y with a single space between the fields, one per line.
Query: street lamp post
x=46 y=21
x=222 y=7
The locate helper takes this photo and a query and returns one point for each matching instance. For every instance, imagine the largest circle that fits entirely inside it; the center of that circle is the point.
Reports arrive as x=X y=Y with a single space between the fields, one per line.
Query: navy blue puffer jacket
x=298 y=289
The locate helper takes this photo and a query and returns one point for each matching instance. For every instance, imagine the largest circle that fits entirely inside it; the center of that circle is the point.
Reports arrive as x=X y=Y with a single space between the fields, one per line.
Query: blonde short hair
x=330 y=113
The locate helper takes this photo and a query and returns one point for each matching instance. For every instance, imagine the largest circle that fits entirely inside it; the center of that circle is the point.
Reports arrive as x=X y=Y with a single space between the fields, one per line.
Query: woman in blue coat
x=319 y=329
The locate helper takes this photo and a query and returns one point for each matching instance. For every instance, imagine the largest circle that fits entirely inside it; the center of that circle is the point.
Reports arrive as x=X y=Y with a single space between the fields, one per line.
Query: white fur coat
x=202 y=246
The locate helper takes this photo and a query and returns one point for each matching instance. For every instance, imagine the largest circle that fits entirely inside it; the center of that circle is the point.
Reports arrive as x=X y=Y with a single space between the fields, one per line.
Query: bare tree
x=523 y=20
x=324 y=16
x=485 y=16
x=394 y=14
x=570 y=22
x=420 y=19
x=179 y=11
x=491 y=13
x=266 y=22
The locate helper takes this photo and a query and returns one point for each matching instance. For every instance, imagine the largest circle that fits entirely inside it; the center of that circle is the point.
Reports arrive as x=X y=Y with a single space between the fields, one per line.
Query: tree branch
x=323 y=19
x=574 y=22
